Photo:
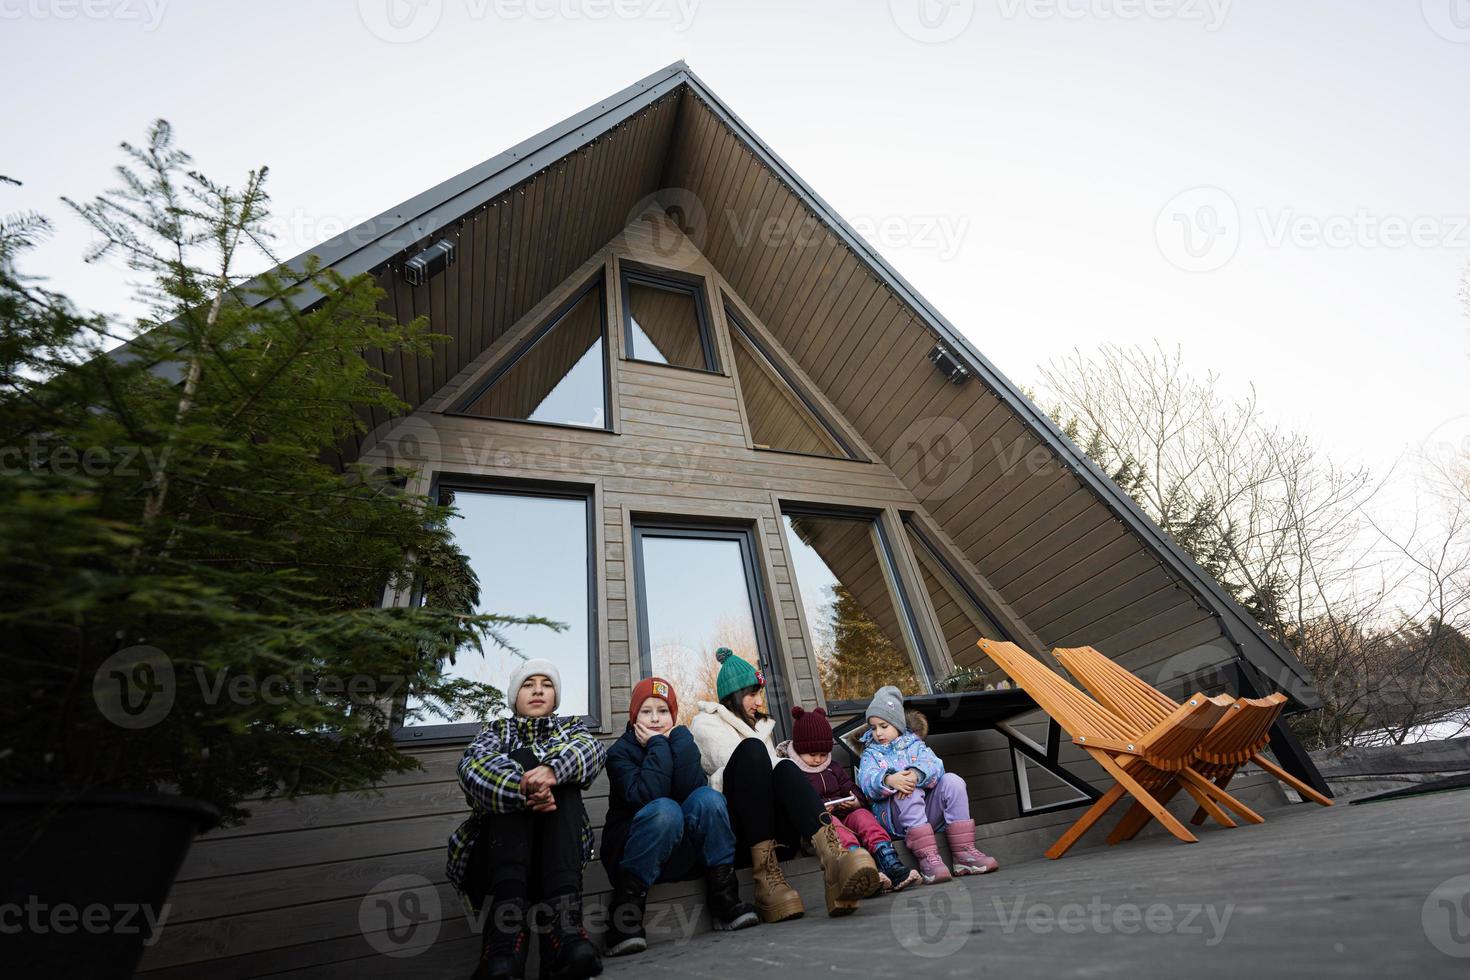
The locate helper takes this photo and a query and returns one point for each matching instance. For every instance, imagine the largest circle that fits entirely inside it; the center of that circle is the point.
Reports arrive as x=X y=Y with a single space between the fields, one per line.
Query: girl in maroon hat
x=810 y=747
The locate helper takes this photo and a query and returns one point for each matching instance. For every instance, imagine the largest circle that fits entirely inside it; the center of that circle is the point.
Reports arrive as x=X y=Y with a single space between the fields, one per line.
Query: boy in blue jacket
x=664 y=822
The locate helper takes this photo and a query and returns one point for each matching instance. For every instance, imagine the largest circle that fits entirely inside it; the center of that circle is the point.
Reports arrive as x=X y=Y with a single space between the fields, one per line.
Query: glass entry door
x=699 y=589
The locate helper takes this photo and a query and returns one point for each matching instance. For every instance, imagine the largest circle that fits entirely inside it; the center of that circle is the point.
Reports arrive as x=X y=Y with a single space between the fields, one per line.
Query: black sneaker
x=505 y=941
x=566 y=951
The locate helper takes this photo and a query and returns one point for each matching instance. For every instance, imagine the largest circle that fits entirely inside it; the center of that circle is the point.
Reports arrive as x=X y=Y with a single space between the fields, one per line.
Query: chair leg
x=1221 y=781
x=1290 y=780
x=1138 y=816
x=1163 y=816
x=1209 y=806
x=1084 y=823
x=1192 y=778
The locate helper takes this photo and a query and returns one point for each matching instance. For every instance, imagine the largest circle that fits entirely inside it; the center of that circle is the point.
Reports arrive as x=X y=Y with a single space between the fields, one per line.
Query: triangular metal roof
x=412 y=224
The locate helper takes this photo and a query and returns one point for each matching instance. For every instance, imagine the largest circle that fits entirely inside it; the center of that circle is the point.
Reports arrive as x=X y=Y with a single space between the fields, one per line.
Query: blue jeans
x=700 y=825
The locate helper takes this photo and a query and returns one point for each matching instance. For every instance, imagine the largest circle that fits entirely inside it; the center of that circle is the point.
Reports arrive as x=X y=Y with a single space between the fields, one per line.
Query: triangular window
x=559 y=374
x=780 y=415
x=666 y=319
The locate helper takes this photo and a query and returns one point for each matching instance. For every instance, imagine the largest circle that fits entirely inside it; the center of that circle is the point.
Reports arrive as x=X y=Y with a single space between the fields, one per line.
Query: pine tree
x=176 y=521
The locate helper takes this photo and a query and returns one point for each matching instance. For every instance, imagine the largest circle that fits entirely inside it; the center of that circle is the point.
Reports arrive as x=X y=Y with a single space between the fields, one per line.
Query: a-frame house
x=685 y=405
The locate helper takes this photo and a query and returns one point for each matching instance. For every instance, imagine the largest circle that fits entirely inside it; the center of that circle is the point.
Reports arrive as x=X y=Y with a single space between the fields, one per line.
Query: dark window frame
x=760 y=597
x=912 y=526
x=597 y=281
x=925 y=664
x=437 y=733
x=737 y=324
x=669 y=280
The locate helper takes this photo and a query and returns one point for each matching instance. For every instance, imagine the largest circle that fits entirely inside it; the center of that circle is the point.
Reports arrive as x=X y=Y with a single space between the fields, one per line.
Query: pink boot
x=968 y=859
x=920 y=840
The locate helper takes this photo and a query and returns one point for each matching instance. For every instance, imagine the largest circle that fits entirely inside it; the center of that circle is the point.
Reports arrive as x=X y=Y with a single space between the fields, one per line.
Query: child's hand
x=537 y=781
x=643 y=734
x=904 y=782
x=847 y=807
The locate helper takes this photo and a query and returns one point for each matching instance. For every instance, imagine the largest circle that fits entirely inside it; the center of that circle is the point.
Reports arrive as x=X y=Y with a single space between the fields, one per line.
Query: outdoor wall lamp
x=949 y=364
x=429 y=263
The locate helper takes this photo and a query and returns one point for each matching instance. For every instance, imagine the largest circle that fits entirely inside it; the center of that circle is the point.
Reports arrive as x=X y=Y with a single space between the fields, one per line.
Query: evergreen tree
x=178 y=529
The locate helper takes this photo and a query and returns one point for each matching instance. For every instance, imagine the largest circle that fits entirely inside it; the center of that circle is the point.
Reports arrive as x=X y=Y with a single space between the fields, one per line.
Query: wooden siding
x=1027 y=525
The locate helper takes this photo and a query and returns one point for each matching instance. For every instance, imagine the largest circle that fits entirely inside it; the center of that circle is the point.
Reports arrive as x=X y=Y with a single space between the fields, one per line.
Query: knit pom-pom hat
x=736 y=674
x=812 y=732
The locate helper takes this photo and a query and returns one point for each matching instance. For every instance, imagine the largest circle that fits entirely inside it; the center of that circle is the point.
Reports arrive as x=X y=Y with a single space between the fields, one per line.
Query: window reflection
x=530 y=554
x=696 y=599
x=664 y=325
x=961 y=620
x=848 y=591
x=561 y=379
x=778 y=419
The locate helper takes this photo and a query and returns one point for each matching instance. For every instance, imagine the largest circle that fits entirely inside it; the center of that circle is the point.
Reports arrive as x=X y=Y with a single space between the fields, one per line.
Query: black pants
x=518 y=850
x=768 y=803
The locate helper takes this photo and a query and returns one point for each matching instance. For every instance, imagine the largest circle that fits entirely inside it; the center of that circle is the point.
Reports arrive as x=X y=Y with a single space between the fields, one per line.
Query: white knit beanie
x=529 y=668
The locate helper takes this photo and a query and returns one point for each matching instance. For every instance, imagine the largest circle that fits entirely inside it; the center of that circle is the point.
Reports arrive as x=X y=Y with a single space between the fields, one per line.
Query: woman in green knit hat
x=771 y=804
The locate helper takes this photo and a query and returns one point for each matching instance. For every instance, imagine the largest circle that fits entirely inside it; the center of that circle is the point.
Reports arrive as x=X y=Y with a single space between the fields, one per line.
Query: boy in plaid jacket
x=523 y=778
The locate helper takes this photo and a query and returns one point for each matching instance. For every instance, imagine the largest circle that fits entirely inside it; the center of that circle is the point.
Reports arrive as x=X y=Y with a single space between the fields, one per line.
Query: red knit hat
x=653 y=687
x=812 y=731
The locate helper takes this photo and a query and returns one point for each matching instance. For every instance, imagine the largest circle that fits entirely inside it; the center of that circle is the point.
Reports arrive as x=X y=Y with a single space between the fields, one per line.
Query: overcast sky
x=1280 y=187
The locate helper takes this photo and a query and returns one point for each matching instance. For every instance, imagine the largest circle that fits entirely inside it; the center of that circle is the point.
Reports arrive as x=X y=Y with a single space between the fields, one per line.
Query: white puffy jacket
x=717 y=732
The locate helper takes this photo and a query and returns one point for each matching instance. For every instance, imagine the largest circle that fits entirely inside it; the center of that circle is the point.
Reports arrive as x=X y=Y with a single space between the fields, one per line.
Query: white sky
x=1020 y=173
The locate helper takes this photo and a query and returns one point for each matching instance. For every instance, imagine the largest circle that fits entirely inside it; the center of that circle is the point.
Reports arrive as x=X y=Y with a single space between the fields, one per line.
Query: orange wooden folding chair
x=1237 y=738
x=1149 y=763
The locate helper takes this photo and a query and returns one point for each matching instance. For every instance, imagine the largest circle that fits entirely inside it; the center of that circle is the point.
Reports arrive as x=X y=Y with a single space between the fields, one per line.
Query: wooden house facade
x=684 y=405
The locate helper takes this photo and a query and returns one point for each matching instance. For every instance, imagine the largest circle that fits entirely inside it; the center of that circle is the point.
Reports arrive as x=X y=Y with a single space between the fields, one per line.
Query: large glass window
x=860 y=619
x=780 y=416
x=530 y=551
x=559 y=376
x=698 y=590
x=962 y=619
x=666 y=320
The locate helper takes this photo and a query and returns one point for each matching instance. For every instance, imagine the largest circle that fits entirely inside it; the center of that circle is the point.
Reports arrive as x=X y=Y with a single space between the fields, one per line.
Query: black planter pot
x=85 y=879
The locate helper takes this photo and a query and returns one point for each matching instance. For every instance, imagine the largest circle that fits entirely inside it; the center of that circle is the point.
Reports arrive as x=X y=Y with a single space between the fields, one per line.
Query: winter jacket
x=832 y=783
x=490 y=775
x=718 y=733
x=668 y=766
x=908 y=751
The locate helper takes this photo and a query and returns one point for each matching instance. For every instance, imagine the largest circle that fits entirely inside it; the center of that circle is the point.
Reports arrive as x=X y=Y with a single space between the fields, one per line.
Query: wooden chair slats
x=1238 y=737
x=1150 y=761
